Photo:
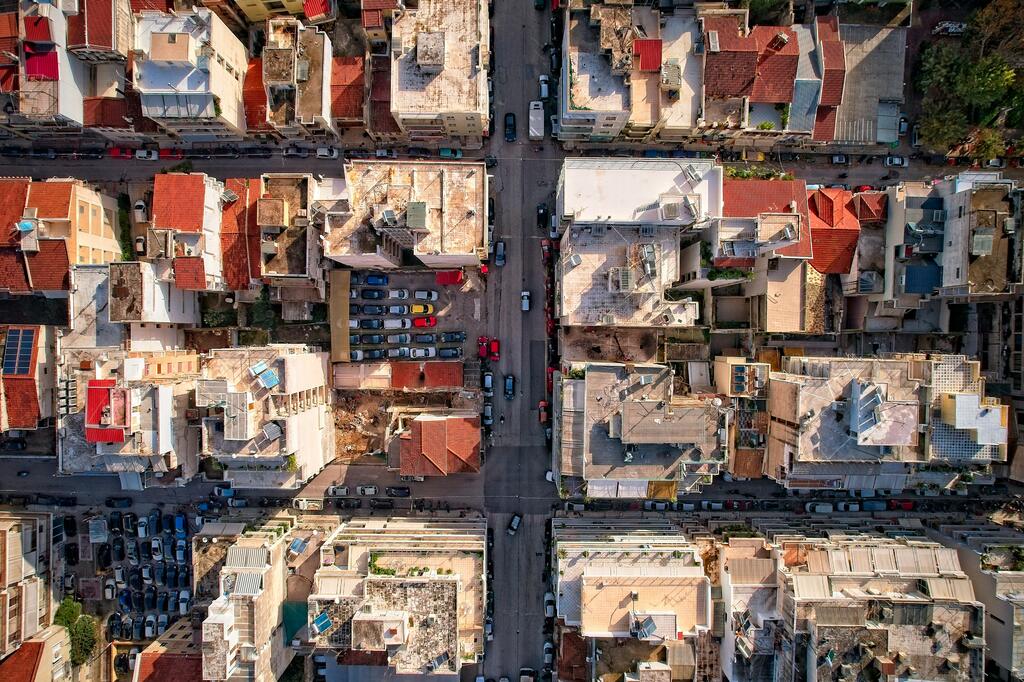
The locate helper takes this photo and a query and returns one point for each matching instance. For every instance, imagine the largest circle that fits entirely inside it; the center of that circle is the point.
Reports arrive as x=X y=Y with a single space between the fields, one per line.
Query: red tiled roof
x=440 y=446
x=178 y=200
x=381 y=120
x=93 y=26
x=824 y=124
x=37 y=29
x=348 y=78
x=380 y=4
x=21 y=400
x=835 y=230
x=13 y=274
x=750 y=198
x=155 y=5
x=190 y=273
x=13 y=194
x=52 y=200
x=9 y=37
x=756 y=65
x=162 y=667
x=734 y=262
x=240 y=234
x=828 y=28
x=776 y=65
x=23 y=664
x=372 y=18
x=49 y=268
x=834 y=56
x=254 y=97
x=572 y=658
x=105 y=112
x=647 y=52
x=870 y=207
x=435 y=374
x=315 y=9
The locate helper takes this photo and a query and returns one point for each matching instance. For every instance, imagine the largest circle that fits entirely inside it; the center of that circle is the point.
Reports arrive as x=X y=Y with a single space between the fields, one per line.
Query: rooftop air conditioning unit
x=597 y=230
x=647 y=230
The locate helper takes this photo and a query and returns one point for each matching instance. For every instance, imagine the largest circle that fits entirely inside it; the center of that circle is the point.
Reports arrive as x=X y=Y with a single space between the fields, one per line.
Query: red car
x=495 y=347
x=481 y=343
x=865 y=188
x=428 y=321
x=176 y=154
x=905 y=505
x=542 y=409
x=121 y=153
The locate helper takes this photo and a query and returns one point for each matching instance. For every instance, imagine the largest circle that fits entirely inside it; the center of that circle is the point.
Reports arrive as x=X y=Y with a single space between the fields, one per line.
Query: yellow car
x=422 y=309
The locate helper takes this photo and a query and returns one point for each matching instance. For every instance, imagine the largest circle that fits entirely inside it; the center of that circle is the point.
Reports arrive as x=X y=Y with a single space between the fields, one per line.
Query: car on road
x=494 y=348
x=542 y=216
x=327 y=153
x=219 y=490
x=336 y=491
x=382 y=504
x=487 y=415
x=487 y=384
x=147 y=154
x=118 y=502
x=429 y=321
x=514 y=523
x=848 y=506
x=549 y=654
x=510 y=127
x=449 y=153
x=510 y=386
x=240 y=502
x=840 y=159
x=549 y=605
x=423 y=338
x=376 y=280
x=524 y=301
x=425 y=295
x=893 y=161
x=367 y=490
x=397 y=491
x=296 y=153
x=499 y=253
x=400 y=294
x=818 y=508
x=453 y=337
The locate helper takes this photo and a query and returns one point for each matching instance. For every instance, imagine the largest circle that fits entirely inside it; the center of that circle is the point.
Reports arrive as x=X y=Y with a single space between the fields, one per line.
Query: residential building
x=25 y=589
x=749 y=583
x=127 y=415
x=744 y=383
x=240 y=239
x=990 y=555
x=873 y=423
x=258 y=11
x=29 y=373
x=29 y=264
x=855 y=603
x=184 y=236
x=143 y=296
x=633 y=588
x=437 y=211
x=101 y=31
x=243 y=636
x=440 y=56
x=71 y=210
x=188 y=70
x=623 y=431
x=44 y=657
x=176 y=654
x=623 y=220
x=438 y=443
x=296 y=78
x=348 y=92
x=265 y=414
x=404 y=593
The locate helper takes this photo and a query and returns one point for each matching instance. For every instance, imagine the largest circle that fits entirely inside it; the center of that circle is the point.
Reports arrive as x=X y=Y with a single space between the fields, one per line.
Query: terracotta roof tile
x=23 y=664
x=372 y=18
x=380 y=4
x=254 y=97
x=240 y=234
x=381 y=120
x=49 y=268
x=162 y=667
x=316 y=9
x=750 y=198
x=824 y=124
x=572 y=658
x=190 y=273
x=777 y=64
x=757 y=65
x=21 y=400
x=834 y=55
x=13 y=194
x=828 y=27
x=52 y=200
x=441 y=446
x=870 y=207
x=835 y=230
x=436 y=374
x=348 y=79
x=648 y=54
x=13 y=274
x=105 y=112
x=178 y=200
x=9 y=25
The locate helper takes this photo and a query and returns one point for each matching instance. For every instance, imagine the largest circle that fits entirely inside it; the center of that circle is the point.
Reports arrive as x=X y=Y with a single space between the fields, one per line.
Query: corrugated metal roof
x=248 y=584
x=247 y=557
x=752 y=571
x=811 y=587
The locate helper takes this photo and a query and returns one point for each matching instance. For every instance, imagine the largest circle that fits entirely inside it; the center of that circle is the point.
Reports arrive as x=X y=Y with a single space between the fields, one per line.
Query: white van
x=398 y=323
x=818 y=508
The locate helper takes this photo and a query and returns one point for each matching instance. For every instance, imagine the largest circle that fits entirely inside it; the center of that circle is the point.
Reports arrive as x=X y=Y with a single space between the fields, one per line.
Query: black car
x=373 y=294
x=138 y=601
x=542 y=216
x=118 y=545
x=510 y=127
x=490 y=538
x=490 y=210
x=137 y=628
x=371 y=324
x=121 y=662
x=453 y=337
x=154 y=522
x=135 y=579
x=172 y=575
x=353 y=339
x=348 y=503
x=130 y=522
x=161 y=602
x=66 y=501
x=423 y=338
x=167 y=523
x=70 y=526
x=71 y=554
x=353 y=308
x=150 y=598
x=145 y=551
x=103 y=559
x=372 y=339
x=259 y=153
x=118 y=502
x=113 y=627
x=371 y=309
x=126 y=628
x=375 y=354
x=450 y=352
x=382 y=504
x=160 y=573
x=397 y=491
x=510 y=386
x=184 y=578
x=114 y=523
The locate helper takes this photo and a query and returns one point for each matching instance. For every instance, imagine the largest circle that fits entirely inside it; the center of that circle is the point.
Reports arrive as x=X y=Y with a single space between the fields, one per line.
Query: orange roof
x=420 y=375
x=13 y=194
x=240 y=235
x=750 y=198
x=835 y=230
x=190 y=273
x=49 y=268
x=254 y=97
x=438 y=446
x=23 y=664
x=348 y=79
x=178 y=201
x=50 y=199
x=160 y=667
x=870 y=206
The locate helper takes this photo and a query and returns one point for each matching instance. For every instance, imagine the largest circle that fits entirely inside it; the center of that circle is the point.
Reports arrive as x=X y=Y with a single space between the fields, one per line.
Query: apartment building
x=265 y=414
x=438 y=443
x=125 y=413
x=623 y=220
x=243 y=636
x=402 y=593
x=183 y=240
x=73 y=211
x=44 y=657
x=438 y=211
x=28 y=385
x=622 y=430
x=25 y=589
x=439 y=59
x=871 y=423
x=188 y=70
x=634 y=590
x=31 y=265
x=143 y=297
x=744 y=384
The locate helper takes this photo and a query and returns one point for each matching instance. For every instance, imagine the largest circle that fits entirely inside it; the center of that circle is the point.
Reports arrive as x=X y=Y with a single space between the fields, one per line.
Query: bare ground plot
x=619 y=656
x=610 y=345
x=361 y=420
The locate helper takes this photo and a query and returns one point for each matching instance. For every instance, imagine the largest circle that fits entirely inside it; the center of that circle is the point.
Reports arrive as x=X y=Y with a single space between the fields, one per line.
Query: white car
x=147 y=154
x=426 y=295
x=893 y=161
x=109 y=589
x=119 y=577
x=549 y=605
x=524 y=298
x=424 y=352
x=549 y=653
x=327 y=153
x=337 y=491
x=161 y=624
x=143 y=527
x=183 y=602
x=150 y=626
x=147 y=574
x=400 y=294
x=141 y=212
x=367 y=490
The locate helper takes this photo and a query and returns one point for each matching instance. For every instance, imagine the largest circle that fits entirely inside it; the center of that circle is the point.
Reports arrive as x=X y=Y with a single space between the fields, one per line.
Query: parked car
x=424 y=352
x=495 y=350
x=400 y=294
x=425 y=295
x=336 y=491
x=327 y=153
x=915 y=136
x=367 y=490
x=397 y=491
x=372 y=339
x=117 y=546
x=542 y=216
x=371 y=324
x=487 y=415
x=524 y=301
x=398 y=309
x=356 y=355
x=422 y=309
x=184 y=602
x=373 y=294
x=818 y=508
x=396 y=353
x=449 y=153
x=423 y=338
x=848 y=506
x=181 y=525
x=241 y=502
x=377 y=280
x=219 y=490
x=487 y=384
x=840 y=159
x=893 y=161
x=147 y=154
x=375 y=354
x=510 y=127
x=499 y=253
x=370 y=309
x=103 y=556
x=429 y=321
x=296 y=152
x=119 y=502
x=449 y=353
x=453 y=337
x=156 y=548
x=399 y=338
x=382 y=504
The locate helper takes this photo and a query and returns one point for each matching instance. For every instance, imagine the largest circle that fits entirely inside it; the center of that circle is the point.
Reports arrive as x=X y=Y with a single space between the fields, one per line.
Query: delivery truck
x=536 y=120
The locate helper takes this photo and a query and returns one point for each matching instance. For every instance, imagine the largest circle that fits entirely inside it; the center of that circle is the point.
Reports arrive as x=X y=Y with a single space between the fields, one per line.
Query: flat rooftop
x=448 y=76
x=169 y=82
x=610 y=285
x=293 y=253
x=874 y=77
x=592 y=84
x=660 y=191
x=678 y=36
x=989 y=248
x=439 y=207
